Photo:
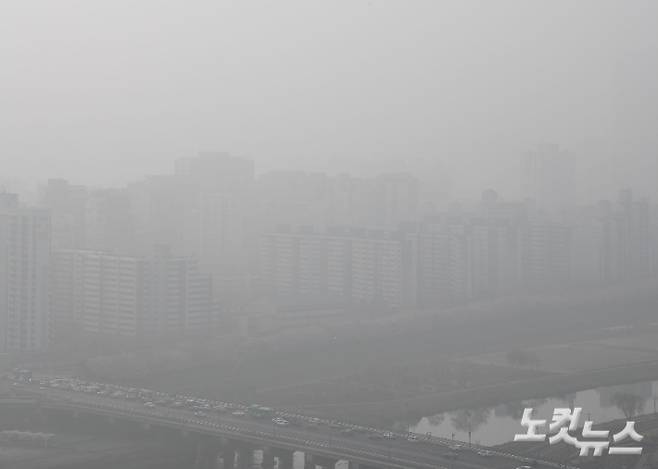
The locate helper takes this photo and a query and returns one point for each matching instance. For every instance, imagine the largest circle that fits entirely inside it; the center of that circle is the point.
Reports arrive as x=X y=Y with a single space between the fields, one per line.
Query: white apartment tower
x=24 y=264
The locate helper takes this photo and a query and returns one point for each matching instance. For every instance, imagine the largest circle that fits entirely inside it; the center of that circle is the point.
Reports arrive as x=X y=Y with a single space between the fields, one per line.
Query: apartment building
x=25 y=235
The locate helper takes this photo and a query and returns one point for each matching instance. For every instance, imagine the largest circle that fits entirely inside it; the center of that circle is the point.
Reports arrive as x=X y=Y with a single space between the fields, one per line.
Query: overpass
x=234 y=439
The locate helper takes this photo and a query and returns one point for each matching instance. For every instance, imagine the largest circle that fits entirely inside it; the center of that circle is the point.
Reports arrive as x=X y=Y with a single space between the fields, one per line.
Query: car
x=390 y=436
x=198 y=413
x=412 y=438
x=149 y=404
x=524 y=467
x=238 y=413
x=280 y=421
x=485 y=453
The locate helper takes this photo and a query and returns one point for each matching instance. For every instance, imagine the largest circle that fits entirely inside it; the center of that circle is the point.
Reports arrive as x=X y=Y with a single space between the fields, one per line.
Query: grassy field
x=418 y=364
x=581 y=356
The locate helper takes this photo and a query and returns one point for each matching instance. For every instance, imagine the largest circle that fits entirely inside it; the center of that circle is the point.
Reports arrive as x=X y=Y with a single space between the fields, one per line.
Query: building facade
x=24 y=263
x=100 y=293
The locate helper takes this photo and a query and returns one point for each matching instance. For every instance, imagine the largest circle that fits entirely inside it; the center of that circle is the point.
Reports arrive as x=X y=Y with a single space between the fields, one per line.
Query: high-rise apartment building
x=349 y=266
x=546 y=255
x=298 y=199
x=101 y=293
x=615 y=242
x=24 y=263
x=547 y=178
x=68 y=205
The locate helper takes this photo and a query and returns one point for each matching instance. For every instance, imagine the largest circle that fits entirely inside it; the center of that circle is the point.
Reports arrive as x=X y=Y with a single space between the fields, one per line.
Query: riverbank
x=414 y=408
x=402 y=367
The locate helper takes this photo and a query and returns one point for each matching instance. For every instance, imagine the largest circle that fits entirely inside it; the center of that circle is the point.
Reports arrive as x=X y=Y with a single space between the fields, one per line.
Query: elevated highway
x=235 y=438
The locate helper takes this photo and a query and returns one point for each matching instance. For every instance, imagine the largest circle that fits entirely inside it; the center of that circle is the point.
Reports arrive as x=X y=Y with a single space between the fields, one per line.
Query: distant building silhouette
x=142 y=297
x=24 y=265
x=349 y=266
x=547 y=178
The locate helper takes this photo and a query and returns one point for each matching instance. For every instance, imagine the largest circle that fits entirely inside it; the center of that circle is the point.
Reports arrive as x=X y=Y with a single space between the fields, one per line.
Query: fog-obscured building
x=495 y=257
x=341 y=265
x=615 y=241
x=143 y=297
x=546 y=255
x=111 y=222
x=467 y=255
x=298 y=198
x=547 y=178
x=204 y=210
x=24 y=266
x=68 y=205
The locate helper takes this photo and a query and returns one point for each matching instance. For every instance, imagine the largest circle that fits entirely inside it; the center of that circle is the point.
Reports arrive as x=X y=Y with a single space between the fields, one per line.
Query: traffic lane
x=329 y=437
x=239 y=425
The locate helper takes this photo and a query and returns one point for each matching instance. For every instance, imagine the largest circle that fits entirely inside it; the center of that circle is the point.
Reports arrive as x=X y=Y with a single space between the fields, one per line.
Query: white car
x=280 y=421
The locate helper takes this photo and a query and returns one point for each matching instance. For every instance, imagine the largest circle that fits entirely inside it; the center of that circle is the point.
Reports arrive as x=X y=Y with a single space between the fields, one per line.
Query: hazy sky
x=104 y=91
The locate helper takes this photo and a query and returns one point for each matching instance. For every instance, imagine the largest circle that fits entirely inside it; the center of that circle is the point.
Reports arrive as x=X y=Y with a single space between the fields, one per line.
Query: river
x=497 y=425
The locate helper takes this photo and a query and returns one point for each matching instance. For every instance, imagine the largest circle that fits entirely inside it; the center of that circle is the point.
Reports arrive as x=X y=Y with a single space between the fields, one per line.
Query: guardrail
x=423 y=438
x=266 y=438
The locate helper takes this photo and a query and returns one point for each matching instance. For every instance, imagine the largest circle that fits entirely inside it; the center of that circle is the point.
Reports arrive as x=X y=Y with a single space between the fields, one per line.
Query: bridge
x=235 y=438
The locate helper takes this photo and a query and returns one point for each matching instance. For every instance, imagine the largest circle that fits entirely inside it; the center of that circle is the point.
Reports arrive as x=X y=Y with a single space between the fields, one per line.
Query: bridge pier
x=308 y=461
x=206 y=455
x=228 y=456
x=325 y=462
x=285 y=458
x=245 y=456
x=268 y=459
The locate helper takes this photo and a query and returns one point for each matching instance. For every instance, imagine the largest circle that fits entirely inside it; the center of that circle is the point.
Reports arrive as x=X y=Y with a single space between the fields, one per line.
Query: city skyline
x=314 y=240
x=355 y=234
